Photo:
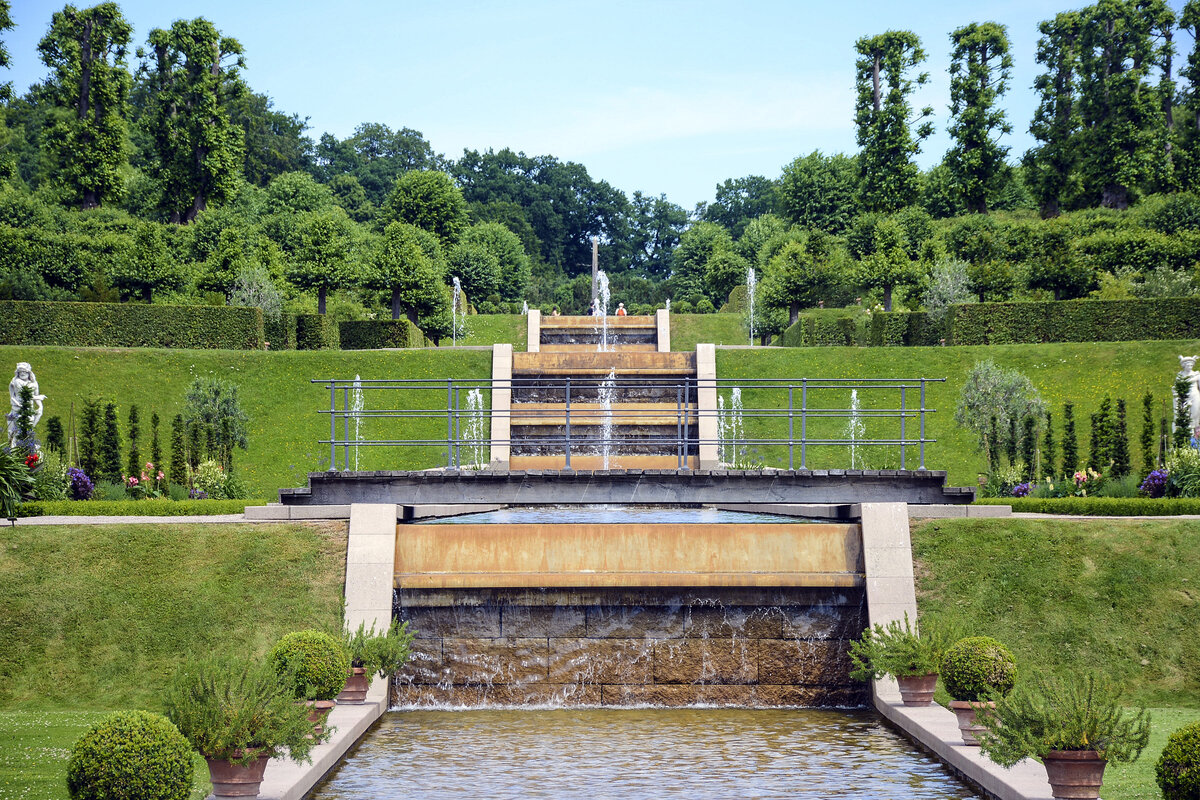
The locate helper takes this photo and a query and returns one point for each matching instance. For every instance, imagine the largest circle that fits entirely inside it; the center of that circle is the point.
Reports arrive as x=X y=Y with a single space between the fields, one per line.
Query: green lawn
x=1136 y=781
x=689 y=329
x=284 y=408
x=489 y=329
x=1081 y=373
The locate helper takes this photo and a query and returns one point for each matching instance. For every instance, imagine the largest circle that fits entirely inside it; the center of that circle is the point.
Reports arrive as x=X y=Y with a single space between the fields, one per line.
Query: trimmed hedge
x=821 y=330
x=280 y=332
x=67 y=324
x=1099 y=506
x=907 y=329
x=133 y=508
x=376 y=334
x=1077 y=321
x=316 y=332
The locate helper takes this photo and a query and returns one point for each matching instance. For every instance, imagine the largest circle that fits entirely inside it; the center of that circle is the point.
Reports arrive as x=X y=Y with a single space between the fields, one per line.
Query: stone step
x=595 y=462
x=643 y=347
x=544 y=414
x=588 y=323
x=593 y=363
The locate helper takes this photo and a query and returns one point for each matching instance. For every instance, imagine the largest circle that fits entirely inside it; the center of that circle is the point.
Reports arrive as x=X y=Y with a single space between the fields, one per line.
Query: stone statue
x=1188 y=372
x=24 y=377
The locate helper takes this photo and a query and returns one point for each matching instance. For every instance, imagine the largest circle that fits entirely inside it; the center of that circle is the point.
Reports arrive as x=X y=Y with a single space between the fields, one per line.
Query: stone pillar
x=533 y=331
x=370 y=565
x=662 y=318
x=502 y=359
x=706 y=403
x=888 y=569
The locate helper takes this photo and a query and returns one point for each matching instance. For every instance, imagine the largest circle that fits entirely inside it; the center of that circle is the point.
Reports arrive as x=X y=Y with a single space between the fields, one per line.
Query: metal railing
x=796 y=414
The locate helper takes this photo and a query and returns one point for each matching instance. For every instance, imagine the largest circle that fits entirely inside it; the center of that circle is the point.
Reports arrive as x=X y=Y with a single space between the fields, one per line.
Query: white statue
x=24 y=377
x=1188 y=372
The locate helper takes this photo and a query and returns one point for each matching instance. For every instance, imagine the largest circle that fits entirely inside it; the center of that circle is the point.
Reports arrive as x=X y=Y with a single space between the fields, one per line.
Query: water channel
x=643 y=753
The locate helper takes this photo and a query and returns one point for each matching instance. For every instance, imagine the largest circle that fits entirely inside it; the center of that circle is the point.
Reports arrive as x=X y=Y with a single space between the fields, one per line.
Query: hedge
x=316 y=332
x=68 y=324
x=133 y=508
x=1077 y=321
x=377 y=334
x=280 y=332
x=1100 y=506
x=907 y=329
x=817 y=330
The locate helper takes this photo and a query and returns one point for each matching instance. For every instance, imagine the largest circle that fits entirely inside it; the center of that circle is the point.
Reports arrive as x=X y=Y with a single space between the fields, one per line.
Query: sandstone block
x=679 y=695
x=458 y=621
x=716 y=661
x=733 y=622
x=803 y=662
x=543 y=621
x=636 y=622
x=495 y=661
x=425 y=665
x=596 y=661
x=822 y=622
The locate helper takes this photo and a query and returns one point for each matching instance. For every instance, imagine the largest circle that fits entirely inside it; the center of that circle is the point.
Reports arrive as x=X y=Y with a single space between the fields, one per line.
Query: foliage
x=409 y=265
x=739 y=200
x=1177 y=772
x=818 y=191
x=889 y=264
x=316 y=332
x=313 y=662
x=129 y=325
x=155 y=507
x=15 y=481
x=430 y=200
x=110 y=446
x=995 y=399
x=254 y=288
x=379 y=333
x=50 y=480
x=512 y=264
x=1077 y=713
x=320 y=260
x=948 y=285
x=131 y=755
x=208 y=481
x=978 y=668
x=1075 y=321
x=1100 y=506
x=146 y=265
x=214 y=405
x=235 y=710
x=1056 y=120
x=1183 y=469
x=980 y=69
x=897 y=650
x=379 y=653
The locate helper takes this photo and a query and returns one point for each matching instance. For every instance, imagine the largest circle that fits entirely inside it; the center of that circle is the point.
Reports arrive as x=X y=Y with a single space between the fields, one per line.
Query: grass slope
x=285 y=423
x=489 y=329
x=1082 y=373
x=689 y=329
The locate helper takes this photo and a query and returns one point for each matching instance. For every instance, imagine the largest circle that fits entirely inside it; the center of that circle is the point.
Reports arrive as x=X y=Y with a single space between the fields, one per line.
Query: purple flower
x=198 y=494
x=1022 y=489
x=1155 y=484
x=81 y=485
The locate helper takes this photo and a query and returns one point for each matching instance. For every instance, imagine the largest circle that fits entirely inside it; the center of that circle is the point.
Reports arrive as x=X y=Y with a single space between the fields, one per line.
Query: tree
x=795 y=280
x=193 y=79
x=1070 y=443
x=1188 y=132
x=89 y=437
x=993 y=401
x=110 y=446
x=375 y=156
x=155 y=447
x=980 y=68
x=6 y=24
x=819 y=191
x=512 y=278
x=1120 y=109
x=320 y=260
x=1048 y=447
x=739 y=200
x=1050 y=165
x=404 y=267
x=698 y=244
x=179 y=464
x=147 y=265
x=889 y=265
x=274 y=142
x=135 y=456
x=211 y=407
x=430 y=200
x=889 y=178
x=655 y=227
x=1149 y=451
x=476 y=267
x=90 y=87
x=1119 y=443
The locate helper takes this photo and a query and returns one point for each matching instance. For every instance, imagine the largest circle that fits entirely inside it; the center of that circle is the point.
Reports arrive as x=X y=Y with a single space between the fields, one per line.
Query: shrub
x=1178 y=769
x=234 y=710
x=316 y=332
x=383 y=653
x=50 y=480
x=1075 y=321
x=15 y=482
x=131 y=755
x=1183 y=472
x=897 y=650
x=209 y=478
x=314 y=661
x=376 y=334
x=157 y=507
x=1080 y=713
x=977 y=668
x=130 y=325
x=81 y=486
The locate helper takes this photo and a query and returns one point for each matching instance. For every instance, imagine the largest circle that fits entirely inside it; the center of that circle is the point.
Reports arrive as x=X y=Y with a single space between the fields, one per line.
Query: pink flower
x=160 y=475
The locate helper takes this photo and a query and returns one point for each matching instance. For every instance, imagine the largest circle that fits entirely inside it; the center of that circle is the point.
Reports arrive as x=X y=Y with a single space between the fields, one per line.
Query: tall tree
x=403 y=267
x=884 y=118
x=1120 y=107
x=980 y=67
x=739 y=200
x=147 y=265
x=656 y=225
x=320 y=259
x=193 y=73
x=1188 y=132
x=90 y=87
x=429 y=200
x=819 y=191
x=889 y=265
x=1050 y=165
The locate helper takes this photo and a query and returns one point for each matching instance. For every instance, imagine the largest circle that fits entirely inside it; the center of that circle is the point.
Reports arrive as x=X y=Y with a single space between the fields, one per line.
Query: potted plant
x=372 y=653
x=238 y=715
x=975 y=671
x=1075 y=727
x=315 y=664
x=913 y=659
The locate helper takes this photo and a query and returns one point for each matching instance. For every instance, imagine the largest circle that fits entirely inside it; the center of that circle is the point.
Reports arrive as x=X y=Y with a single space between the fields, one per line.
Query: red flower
x=31 y=460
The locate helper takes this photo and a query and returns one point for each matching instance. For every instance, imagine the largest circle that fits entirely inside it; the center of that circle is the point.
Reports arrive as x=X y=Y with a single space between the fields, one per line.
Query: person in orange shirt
x=621 y=309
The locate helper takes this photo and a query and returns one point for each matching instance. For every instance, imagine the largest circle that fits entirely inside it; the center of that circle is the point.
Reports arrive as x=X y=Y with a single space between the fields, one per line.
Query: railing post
x=687 y=423
x=804 y=423
x=332 y=426
x=457 y=430
x=679 y=424
x=567 y=414
x=791 y=428
x=346 y=418
x=922 y=423
x=902 y=427
x=449 y=423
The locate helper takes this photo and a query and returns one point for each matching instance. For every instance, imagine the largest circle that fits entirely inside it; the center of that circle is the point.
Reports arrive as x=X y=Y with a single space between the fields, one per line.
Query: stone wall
x=672 y=647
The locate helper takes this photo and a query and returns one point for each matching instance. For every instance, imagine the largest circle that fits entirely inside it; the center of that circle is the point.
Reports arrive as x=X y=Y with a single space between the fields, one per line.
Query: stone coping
x=935 y=729
x=287 y=780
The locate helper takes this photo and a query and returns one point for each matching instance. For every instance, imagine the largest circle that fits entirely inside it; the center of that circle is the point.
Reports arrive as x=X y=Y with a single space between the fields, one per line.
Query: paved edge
x=891 y=593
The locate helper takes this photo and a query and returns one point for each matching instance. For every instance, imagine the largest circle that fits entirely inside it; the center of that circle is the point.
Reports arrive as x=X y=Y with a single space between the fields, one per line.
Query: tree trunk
x=146 y=294
x=887 y=298
x=412 y=315
x=395 y=304
x=1115 y=196
x=90 y=199
x=321 y=300
x=1051 y=209
x=793 y=313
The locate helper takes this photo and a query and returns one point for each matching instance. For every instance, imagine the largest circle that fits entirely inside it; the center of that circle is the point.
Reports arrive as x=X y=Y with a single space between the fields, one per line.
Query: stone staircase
x=631 y=400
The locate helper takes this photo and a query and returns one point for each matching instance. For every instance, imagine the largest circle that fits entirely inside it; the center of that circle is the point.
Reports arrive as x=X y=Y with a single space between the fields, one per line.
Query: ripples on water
x=637 y=753
x=613 y=514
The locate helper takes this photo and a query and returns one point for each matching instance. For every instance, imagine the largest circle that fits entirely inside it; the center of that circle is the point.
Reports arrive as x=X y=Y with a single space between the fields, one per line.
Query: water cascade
x=602 y=297
x=855 y=429
x=730 y=431
x=454 y=301
x=605 y=395
x=475 y=433
x=751 y=283
x=525 y=307
x=356 y=409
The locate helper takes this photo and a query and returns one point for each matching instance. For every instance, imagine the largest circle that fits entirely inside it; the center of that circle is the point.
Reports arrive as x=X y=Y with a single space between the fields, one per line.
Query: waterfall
x=855 y=429
x=602 y=307
x=729 y=430
x=474 y=430
x=751 y=283
x=454 y=301
x=525 y=307
x=356 y=408
x=668 y=304
x=607 y=390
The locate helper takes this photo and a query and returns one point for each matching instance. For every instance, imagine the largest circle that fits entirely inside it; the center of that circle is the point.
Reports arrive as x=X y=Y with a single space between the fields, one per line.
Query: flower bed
x=1099 y=506
x=134 y=508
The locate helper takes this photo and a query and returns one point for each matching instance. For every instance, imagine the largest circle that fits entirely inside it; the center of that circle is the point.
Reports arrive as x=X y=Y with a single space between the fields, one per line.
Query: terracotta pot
x=917 y=690
x=318 y=712
x=967 y=724
x=1074 y=773
x=356 y=687
x=232 y=780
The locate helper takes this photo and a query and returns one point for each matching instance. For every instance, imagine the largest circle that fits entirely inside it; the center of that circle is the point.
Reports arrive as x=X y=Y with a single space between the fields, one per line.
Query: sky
x=660 y=97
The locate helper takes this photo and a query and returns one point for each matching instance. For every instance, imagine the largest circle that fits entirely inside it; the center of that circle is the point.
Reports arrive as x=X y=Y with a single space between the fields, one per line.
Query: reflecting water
x=637 y=753
x=613 y=514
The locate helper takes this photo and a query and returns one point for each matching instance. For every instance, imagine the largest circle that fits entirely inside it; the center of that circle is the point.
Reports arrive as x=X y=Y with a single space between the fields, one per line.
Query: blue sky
x=662 y=97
